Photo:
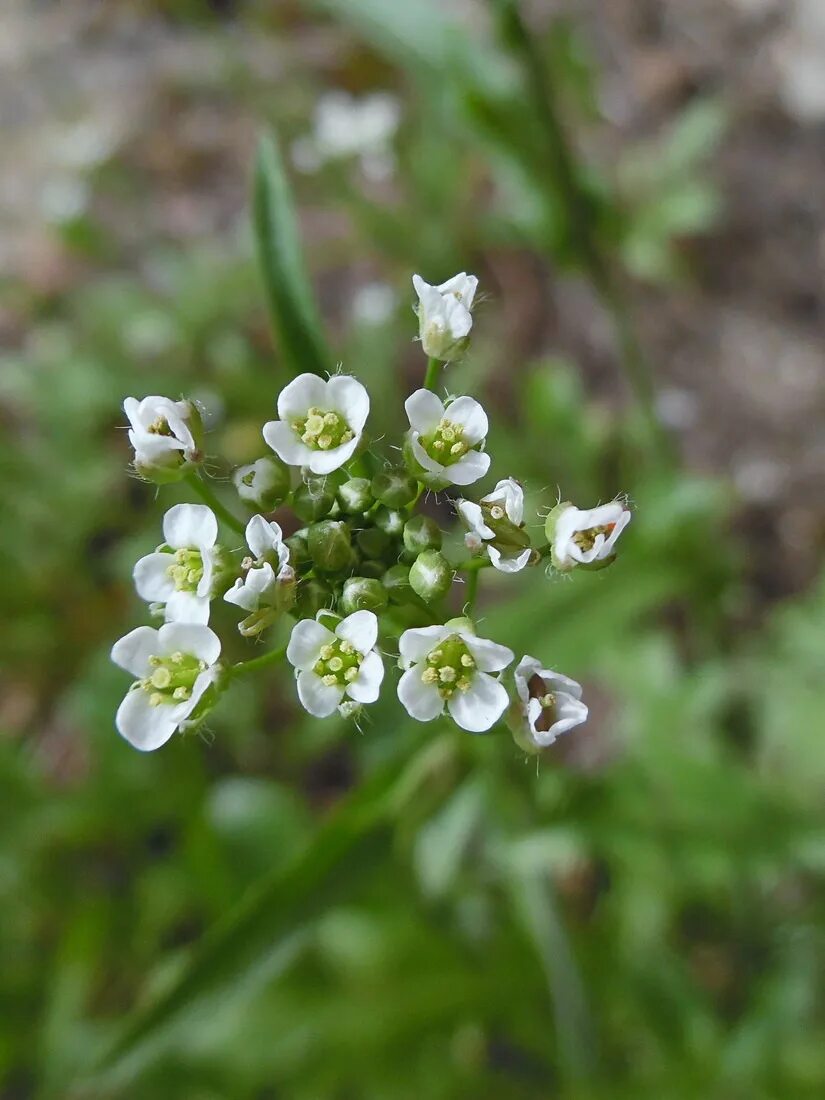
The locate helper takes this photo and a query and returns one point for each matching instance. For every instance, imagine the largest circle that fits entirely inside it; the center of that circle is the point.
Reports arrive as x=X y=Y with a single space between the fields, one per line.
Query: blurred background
x=638 y=185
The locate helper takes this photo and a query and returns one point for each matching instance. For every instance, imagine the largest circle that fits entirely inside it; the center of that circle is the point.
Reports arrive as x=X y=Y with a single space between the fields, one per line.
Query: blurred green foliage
x=291 y=908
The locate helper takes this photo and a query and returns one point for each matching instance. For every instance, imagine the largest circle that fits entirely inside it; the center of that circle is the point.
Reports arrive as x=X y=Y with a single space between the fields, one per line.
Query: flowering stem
x=433 y=373
x=472 y=591
x=243 y=667
x=205 y=493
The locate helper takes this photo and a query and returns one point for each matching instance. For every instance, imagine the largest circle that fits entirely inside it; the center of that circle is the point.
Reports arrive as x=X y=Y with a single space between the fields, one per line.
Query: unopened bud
x=262 y=485
x=394 y=488
x=373 y=569
x=298 y=548
x=396 y=580
x=313 y=595
x=362 y=594
x=313 y=499
x=422 y=533
x=355 y=496
x=372 y=542
x=330 y=545
x=431 y=575
x=389 y=521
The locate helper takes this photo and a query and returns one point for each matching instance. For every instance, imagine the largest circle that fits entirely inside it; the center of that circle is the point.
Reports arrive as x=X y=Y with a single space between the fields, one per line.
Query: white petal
x=556 y=681
x=305 y=643
x=508 y=565
x=459 y=321
x=423 y=459
x=525 y=670
x=470 y=468
x=621 y=523
x=187 y=607
x=467 y=412
x=479 y=708
x=361 y=629
x=249 y=592
x=462 y=286
x=142 y=725
x=190 y=526
x=368 y=685
x=424 y=411
x=132 y=652
x=474 y=518
x=347 y=396
x=416 y=643
x=488 y=656
x=152 y=580
x=262 y=537
x=420 y=700
x=300 y=395
x=315 y=696
x=191 y=638
x=571 y=712
x=324 y=462
x=432 y=303
x=510 y=495
x=285 y=443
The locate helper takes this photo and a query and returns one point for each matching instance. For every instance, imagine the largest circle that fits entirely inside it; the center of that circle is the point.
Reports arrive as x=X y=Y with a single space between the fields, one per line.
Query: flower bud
x=389 y=521
x=396 y=580
x=355 y=496
x=431 y=575
x=262 y=485
x=372 y=568
x=167 y=437
x=444 y=317
x=362 y=594
x=313 y=596
x=298 y=548
x=422 y=533
x=350 y=710
x=330 y=545
x=313 y=499
x=372 y=542
x=394 y=488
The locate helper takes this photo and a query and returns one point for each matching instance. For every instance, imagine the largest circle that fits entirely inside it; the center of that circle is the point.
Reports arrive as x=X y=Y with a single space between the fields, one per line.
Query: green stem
x=204 y=491
x=244 y=667
x=472 y=591
x=472 y=565
x=433 y=374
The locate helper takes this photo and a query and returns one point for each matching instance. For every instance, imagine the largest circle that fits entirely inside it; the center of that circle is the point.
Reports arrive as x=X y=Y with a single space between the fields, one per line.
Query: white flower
x=173 y=667
x=267 y=570
x=185 y=572
x=346 y=126
x=549 y=705
x=444 y=317
x=165 y=436
x=331 y=664
x=320 y=422
x=445 y=440
x=584 y=537
x=449 y=666
x=498 y=520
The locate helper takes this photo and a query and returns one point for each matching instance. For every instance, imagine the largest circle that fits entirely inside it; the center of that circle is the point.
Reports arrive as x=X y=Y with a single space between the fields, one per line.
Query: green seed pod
x=362 y=594
x=354 y=496
x=396 y=580
x=330 y=545
x=422 y=533
x=394 y=488
x=312 y=596
x=313 y=499
x=372 y=543
x=298 y=548
x=389 y=521
x=431 y=575
x=262 y=485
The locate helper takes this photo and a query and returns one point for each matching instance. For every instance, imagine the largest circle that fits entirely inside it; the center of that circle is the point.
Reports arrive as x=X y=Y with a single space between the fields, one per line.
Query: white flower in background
x=320 y=422
x=444 y=441
x=374 y=304
x=585 y=536
x=187 y=569
x=332 y=664
x=173 y=667
x=349 y=126
x=448 y=666
x=268 y=586
x=548 y=705
x=165 y=435
x=444 y=317
x=498 y=520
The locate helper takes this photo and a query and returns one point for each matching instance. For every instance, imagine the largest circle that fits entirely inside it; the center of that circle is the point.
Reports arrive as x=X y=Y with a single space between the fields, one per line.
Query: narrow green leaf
x=289 y=296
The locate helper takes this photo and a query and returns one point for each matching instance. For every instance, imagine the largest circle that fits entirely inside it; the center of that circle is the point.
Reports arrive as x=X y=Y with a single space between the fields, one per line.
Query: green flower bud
x=422 y=533
x=372 y=542
x=389 y=521
x=431 y=575
x=313 y=499
x=396 y=580
x=362 y=594
x=355 y=496
x=330 y=545
x=298 y=548
x=262 y=485
x=372 y=569
x=394 y=488
x=313 y=595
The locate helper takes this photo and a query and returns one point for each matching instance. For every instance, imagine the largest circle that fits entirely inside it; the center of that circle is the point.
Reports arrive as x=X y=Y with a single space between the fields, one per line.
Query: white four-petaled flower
x=269 y=581
x=173 y=667
x=444 y=439
x=182 y=573
x=444 y=315
x=548 y=705
x=498 y=520
x=321 y=422
x=448 y=666
x=332 y=664
x=586 y=536
x=164 y=435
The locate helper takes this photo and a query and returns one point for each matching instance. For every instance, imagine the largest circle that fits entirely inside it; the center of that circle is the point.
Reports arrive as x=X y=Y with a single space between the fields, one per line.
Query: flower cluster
x=341 y=546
